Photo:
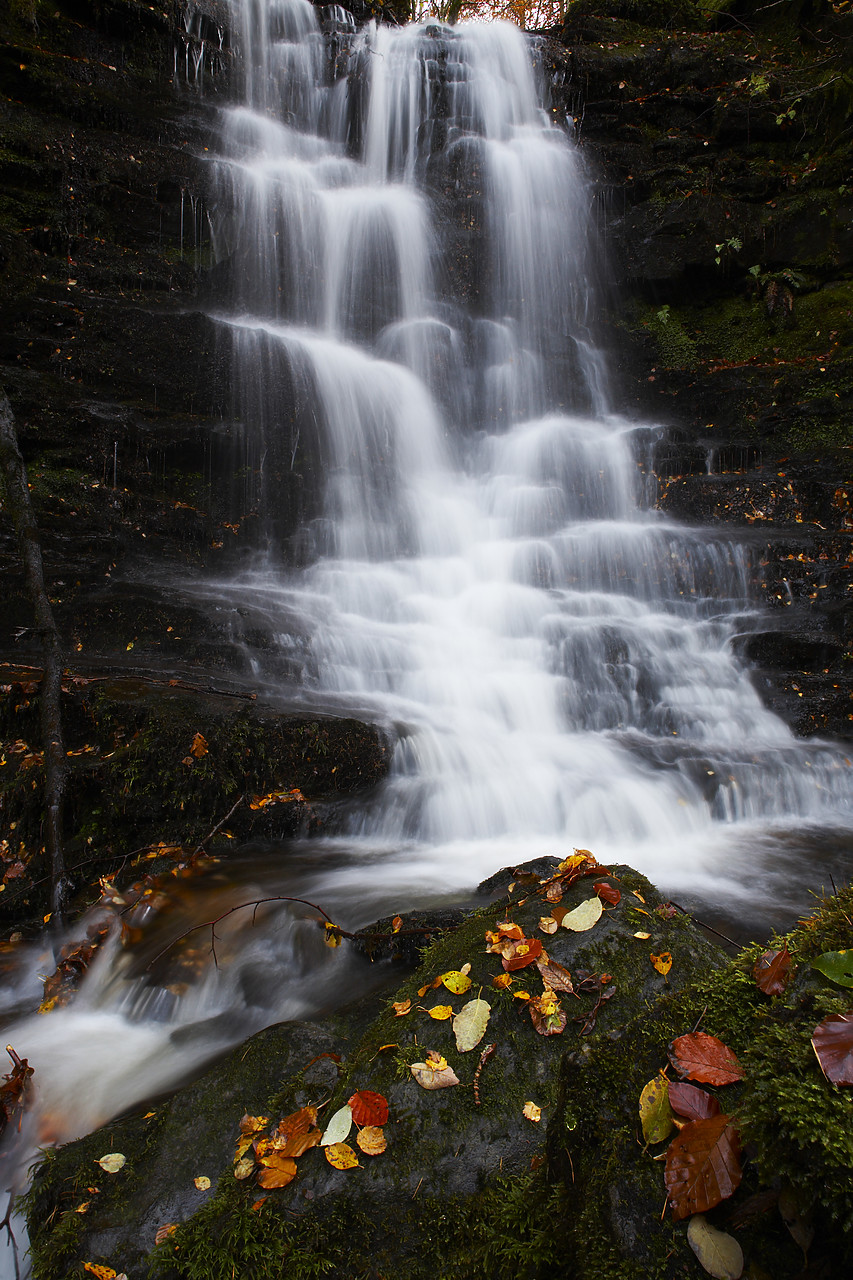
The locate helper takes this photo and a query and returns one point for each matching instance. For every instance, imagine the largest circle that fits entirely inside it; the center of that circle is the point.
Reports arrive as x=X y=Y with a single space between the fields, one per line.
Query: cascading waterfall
x=412 y=319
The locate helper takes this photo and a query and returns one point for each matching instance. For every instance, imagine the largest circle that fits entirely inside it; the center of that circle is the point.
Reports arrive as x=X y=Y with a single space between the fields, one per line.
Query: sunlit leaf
x=548 y=924
x=202 y=1183
x=530 y=1111
x=100 y=1272
x=401 y=1008
x=773 y=971
x=699 y=1056
x=371 y=1140
x=546 y=1015
x=338 y=1127
x=584 y=916
x=521 y=954
x=113 y=1162
x=333 y=934
x=837 y=966
x=702 y=1166
x=441 y=1012
x=469 y=1025
x=456 y=981
x=396 y=924
x=250 y=1127
x=832 y=1041
x=663 y=962
x=369 y=1108
x=642 y=936
x=655 y=1111
x=341 y=1156
x=244 y=1168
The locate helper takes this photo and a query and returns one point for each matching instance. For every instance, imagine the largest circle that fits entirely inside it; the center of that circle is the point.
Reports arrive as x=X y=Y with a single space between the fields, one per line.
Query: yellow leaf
x=244 y=1168
x=642 y=936
x=469 y=1025
x=401 y=1008
x=639 y=895
x=502 y=981
x=663 y=962
x=341 y=1156
x=456 y=981
x=102 y=1273
x=202 y=1183
x=655 y=1111
x=530 y=1111
x=199 y=747
x=584 y=916
x=441 y=1012
x=113 y=1162
x=333 y=934
x=371 y=1140
x=521 y=995
x=719 y=1254
x=548 y=924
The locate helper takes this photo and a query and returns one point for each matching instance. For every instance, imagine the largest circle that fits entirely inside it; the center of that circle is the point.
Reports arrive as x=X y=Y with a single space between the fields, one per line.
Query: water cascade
x=412 y=322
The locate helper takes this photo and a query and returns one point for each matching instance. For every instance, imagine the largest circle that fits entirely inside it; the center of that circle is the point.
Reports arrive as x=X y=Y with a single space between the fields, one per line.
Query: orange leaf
x=555 y=976
x=199 y=747
x=371 y=1140
x=396 y=924
x=607 y=892
x=699 y=1056
x=523 y=954
x=401 y=1008
x=278 y=1171
x=369 y=1108
x=702 y=1166
x=663 y=962
x=773 y=971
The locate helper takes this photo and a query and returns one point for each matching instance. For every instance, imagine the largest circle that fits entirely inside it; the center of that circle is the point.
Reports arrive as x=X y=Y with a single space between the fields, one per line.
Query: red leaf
x=607 y=892
x=699 y=1056
x=369 y=1108
x=524 y=953
x=702 y=1166
x=832 y=1041
x=773 y=971
x=692 y=1103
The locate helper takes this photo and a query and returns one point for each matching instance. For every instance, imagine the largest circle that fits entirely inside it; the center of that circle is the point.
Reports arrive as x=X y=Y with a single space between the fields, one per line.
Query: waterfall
x=412 y=323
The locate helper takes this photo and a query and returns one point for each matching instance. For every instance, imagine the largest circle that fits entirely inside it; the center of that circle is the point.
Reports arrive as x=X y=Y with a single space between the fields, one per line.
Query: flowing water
x=412 y=322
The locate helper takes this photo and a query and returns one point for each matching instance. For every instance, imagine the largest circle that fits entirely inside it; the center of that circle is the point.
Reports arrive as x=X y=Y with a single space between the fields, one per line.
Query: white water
x=412 y=321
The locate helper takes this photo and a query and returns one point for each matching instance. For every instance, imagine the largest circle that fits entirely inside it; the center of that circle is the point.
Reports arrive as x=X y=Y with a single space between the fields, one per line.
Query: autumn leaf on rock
x=250 y=1127
x=699 y=1056
x=338 y=1127
x=832 y=1041
x=371 y=1140
x=368 y=1108
x=469 y=1025
x=112 y=1163
x=434 y=1073
x=718 y=1253
x=441 y=1012
x=456 y=981
x=100 y=1272
x=691 y=1103
x=296 y=1133
x=702 y=1166
x=341 y=1156
x=837 y=966
x=773 y=971
x=608 y=893
x=202 y=1183
x=546 y=1015
x=277 y=1170
x=163 y=1233
x=642 y=936
x=548 y=924
x=530 y=1111
x=555 y=976
x=199 y=747
x=401 y=1008
x=521 y=954
x=244 y=1168
x=662 y=963
x=584 y=916
x=501 y=981
x=655 y=1111
x=396 y=924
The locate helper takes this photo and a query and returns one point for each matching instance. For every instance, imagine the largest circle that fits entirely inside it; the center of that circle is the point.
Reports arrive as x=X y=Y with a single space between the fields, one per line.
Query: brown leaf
x=546 y=1015
x=832 y=1041
x=702 y=1166
x=699 y=1056
x=554 y=892
x=555 y=976
x=692 y=1103
x=607 y=892
x=773 y=971
x=277 y=1171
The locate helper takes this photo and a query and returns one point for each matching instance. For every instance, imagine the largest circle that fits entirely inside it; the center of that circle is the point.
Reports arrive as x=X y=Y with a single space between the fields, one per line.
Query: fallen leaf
x=608 y=892
x=555 y=976
x=401 y=1008
x=521 y=995
x=530 y=1111
x=522 y=954
x=546 y=1015
x=102 y=1273
x=341 y=1156
x=277 y=1170
x=584 y=916
x=202 y=1183
x=244 y=1168
x=371 y=1140
x=469 y=1025
x=832 y=1041
x=338 y=1127
x=719 y=1253
x=691 y=1103
x=429 y=1076
x=250 y=1127
x=441 y=1012
x=163 y=1233
x=642 y=936
x=430 y=986
x=796 y=1217
x=773 y=971
x=502 y=980
x=199 y=747
x=837 y=966
x=548 y=924
x=639 y=895
x=368 y=1108
x=113 y=1162
x=702 y=1166
x=456 y=981
x=663 y=962
x=554 y=892
x=655 y=1110
x=396 y=924
x=699 y=1056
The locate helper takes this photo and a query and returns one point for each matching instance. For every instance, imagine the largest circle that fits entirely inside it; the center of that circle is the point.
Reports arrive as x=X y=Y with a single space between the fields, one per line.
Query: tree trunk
x=55 y=765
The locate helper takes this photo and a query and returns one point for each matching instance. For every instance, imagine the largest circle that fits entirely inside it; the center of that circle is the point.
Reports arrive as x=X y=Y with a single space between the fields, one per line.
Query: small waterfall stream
x=412 y=320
